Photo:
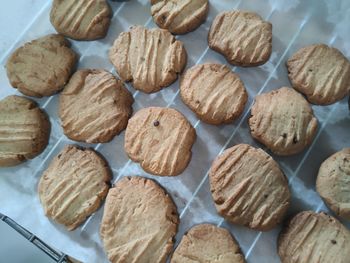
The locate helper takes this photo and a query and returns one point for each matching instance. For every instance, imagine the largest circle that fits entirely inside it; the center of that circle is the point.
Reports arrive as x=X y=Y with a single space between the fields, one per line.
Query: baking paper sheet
x=295 y=24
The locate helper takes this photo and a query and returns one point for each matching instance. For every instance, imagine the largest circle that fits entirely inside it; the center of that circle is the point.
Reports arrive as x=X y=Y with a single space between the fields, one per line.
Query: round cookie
x=94 y=106
x=139 y=222
x=150 y=58
x=314 y=238
x=214 y=93
x=249 y=188
x=74 y=186
x=244 y=38
x=207 y=243
x=24 y=130
x=321 y=73
x=41 y=67
x=283 y=121
x=179 y=17
x=333 y=183
x=160 y=139
x=81 y=19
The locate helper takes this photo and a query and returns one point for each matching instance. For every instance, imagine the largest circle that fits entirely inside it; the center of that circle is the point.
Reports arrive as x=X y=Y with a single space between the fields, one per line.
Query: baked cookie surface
x=333 y=182
x=160 y=139
x=207 y=243
x=283 y=121
x=81 y=19
x=181 y=16
x=321 y=73
x=74 y=186
x=244 y=38
x=249 y=188
x=139 y=222
x=41 y=67
x=214 y=93
x=24 y=130
x=94 y=106
x=314 y=238
x=150 y=58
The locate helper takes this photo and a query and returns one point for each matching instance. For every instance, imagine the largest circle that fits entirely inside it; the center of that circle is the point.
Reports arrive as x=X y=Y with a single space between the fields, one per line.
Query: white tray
x=295 y=24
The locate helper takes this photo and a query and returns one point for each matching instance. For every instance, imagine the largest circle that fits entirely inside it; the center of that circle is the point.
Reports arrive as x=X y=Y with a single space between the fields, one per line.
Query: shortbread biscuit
x=321 y=73
x=179 y=17
x=333 y=182
x=41 y=67
x=74 y=186
x=244 y=38
x=283 y=121
x=81 y=19
x=139 y=222
x=94 y=106
x=150 y=58
x=160 y=139
x=249 y=188
x=207 y=243
x=24 y=130
x=314 y=238
x=214 y=93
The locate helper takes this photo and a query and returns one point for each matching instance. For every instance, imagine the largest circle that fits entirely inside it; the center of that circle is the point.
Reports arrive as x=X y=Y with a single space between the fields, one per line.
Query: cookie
x=81 y=19
x=160 y=139
x=24 y=130
x=321 y=73
x=41 y=67
x=74 y=186
x=314 y=238
x=249 y=188
x=150 y=58
x=139 y=222
x=283 y=121
x=244 y=38
x=179 y=17
x=333 y=183
x=207 y=243
x=94 y=106
x=214 y=93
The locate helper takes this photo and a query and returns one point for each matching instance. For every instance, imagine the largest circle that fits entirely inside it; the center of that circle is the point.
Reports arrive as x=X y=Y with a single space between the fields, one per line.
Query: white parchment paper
x=295 y=24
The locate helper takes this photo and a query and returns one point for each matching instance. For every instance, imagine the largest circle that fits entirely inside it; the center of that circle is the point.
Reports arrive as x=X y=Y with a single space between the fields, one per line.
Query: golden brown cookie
x=74 y=186
x=214 y=93
x=150 y=58
x=283 y=121
x=41 y=67
x=321 y=73
x=139 y=222
x=94 y=106
x=249 y=188
x=244 y=38
x=314 y=238
x=81 y=19
x=333 y=182
x=24 y=130
x=207 y=243
x=160 y=139
x=179 y=17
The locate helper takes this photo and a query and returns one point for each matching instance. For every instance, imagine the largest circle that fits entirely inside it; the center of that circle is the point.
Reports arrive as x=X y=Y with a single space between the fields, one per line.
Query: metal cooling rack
x=293 y=27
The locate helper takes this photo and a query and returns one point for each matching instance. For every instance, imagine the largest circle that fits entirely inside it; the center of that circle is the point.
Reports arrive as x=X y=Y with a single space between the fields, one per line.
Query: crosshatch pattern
x=294 y=26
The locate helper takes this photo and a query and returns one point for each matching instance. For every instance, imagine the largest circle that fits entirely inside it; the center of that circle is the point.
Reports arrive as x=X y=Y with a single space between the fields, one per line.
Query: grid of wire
x=293 y=28
x=51 y=252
